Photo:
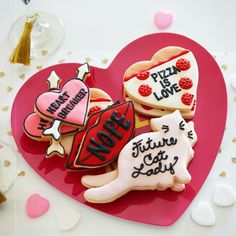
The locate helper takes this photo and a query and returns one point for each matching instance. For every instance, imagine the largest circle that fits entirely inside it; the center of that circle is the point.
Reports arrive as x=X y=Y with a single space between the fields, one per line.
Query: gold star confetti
x=44 y=52
x=7 y=163
x=21 y=173
x=219 y=150
x=104 y=61
x=62 y=61
x=22 y=76
x=233 y=159
x=222 y=174
x=6 y=108
x=2 y=74
x=39 y=67
x=224 y=67
x=234 y=140
x=88 y=59
x=9 y=133
x=9 y=89
x=1 y=146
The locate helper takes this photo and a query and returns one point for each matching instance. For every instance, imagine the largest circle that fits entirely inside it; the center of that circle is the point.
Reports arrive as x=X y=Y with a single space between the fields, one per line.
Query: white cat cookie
x=168 y=81
x=155 y=160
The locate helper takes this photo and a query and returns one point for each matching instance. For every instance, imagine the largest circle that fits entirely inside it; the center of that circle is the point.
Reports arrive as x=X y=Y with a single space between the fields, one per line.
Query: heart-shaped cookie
x=164 y=208
x=68 y=105
x=34 y=125
x=169 y=81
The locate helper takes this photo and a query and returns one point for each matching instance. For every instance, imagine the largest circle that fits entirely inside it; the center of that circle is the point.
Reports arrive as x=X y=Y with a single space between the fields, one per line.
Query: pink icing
x=69 y=105
x=34 y=125
x=36 y=206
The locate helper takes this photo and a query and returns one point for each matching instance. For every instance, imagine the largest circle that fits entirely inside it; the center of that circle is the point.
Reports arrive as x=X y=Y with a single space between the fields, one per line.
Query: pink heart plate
x=151 y=207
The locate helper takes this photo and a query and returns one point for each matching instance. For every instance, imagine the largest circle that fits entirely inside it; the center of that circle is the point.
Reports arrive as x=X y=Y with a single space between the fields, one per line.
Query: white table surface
x=98 y=30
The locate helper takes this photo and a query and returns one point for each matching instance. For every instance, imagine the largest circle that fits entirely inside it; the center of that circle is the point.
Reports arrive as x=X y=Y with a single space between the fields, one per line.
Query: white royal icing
x=151 y=160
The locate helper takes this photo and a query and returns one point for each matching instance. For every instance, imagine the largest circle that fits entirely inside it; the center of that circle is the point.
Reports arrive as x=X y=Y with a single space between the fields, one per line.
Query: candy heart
x=36 y=206
x=203 y=214
x=67 y=219
x=34 y=126
x=135 y=205
x=68 y=105
x=163 y=20
x=224 y=195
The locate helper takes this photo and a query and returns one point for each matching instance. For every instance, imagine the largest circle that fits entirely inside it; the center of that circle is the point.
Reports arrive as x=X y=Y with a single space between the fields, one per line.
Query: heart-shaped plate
x=152 y=207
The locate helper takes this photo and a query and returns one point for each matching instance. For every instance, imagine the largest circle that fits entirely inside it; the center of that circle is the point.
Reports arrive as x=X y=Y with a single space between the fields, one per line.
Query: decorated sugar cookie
x=154 y=160
x=104 y=136
x=93 y=181
x=168 y=81
x=154 y=112
x=69 y=104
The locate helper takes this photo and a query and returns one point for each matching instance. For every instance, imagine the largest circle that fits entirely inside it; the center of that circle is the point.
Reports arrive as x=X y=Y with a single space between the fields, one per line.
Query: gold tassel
x=2 y=198
x=21 y=53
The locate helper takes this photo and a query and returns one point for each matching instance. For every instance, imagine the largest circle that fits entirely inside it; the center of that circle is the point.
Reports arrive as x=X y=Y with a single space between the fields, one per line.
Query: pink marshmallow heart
x=163 y=20
x=36 y=206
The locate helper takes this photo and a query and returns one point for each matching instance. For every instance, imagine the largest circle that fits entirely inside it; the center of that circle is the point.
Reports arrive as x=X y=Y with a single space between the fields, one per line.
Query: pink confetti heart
x=163 y=20
x=36 y=206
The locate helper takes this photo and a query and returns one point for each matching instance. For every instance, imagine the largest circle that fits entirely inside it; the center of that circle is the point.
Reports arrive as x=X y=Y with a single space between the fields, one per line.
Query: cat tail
x=107 y=193
x=93 y=181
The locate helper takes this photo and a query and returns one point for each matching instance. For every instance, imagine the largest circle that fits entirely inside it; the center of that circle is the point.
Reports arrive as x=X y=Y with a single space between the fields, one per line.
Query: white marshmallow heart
x=224 y=195
x=203 y=214
x=67 y=219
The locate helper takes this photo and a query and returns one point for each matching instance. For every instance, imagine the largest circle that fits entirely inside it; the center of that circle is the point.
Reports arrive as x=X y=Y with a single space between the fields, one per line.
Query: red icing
x=143 y=75
x=127 y=78
x=94 y=109
x=100 y=100
x=183 y=64
x=81 y=152
x=187 y=98
x=146 y=107
x=194 y=105
x=185 y=83
x=144 y=90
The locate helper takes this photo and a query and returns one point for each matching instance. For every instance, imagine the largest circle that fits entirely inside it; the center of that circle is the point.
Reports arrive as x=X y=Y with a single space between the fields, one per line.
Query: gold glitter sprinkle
x=9 y=133
x=104 y=61
x=88 y=59
x=222 y=174
x=9 y=89
x=6 y=108
x=224 y=67
x=219 y=150
x=2 y=74
x=22 y=76
x=233 y=159
x=234 y=140
x=62 y=61
x=21 y=173
x=1 y=146
x=39 y=67
x=44 y=52
x=214 y=56
x=7 y=163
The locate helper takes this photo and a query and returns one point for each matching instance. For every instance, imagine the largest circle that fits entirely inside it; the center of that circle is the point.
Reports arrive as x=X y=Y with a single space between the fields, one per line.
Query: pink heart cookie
x=34 y=125
x=68 y=105
x=36 y=206
x=163 y=20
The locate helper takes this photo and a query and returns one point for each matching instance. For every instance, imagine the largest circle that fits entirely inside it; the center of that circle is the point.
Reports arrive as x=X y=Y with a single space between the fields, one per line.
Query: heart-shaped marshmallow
x=203 y=214
x=169 y=81
x=36 y=206
x=224 y=195
x=163 y=20
x=68 y=105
